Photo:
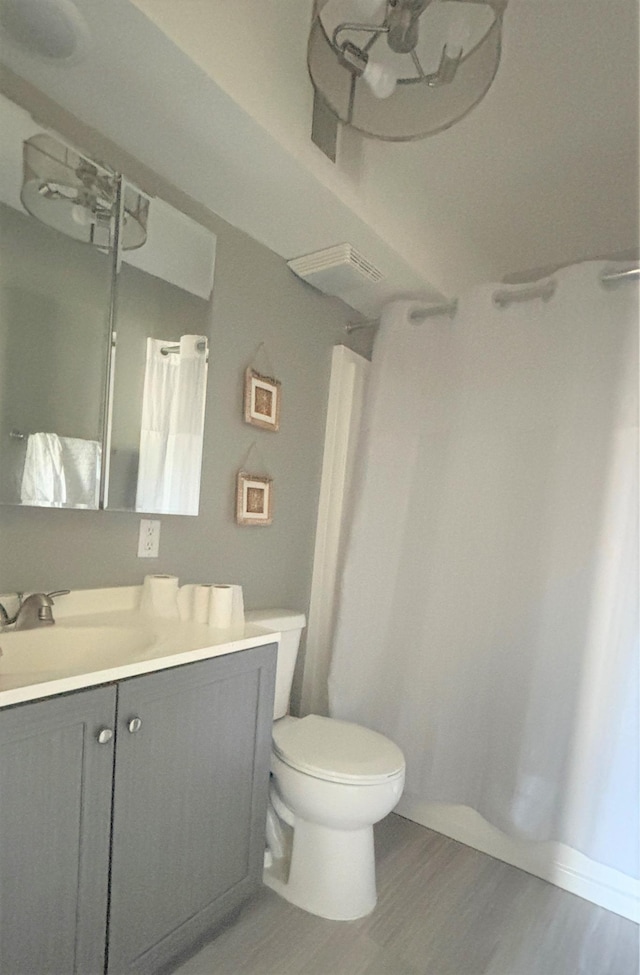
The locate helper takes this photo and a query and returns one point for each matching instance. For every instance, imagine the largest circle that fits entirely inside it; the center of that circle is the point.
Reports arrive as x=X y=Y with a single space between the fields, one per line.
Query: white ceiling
x=543 y=172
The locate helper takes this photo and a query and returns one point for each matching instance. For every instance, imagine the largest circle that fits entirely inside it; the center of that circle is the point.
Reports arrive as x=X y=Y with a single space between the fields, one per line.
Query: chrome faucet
x=36 y=610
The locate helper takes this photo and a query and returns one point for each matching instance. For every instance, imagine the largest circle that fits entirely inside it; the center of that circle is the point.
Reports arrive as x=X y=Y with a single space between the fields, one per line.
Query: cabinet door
x=189 y=804
x=55 y=812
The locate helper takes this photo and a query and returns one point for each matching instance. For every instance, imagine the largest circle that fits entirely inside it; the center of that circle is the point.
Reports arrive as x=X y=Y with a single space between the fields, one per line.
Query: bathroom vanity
x=132 y=807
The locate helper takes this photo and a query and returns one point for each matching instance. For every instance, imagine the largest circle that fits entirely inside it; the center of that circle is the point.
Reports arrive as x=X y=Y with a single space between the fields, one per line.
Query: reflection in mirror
x=162 y=322
x=54 y=316
x=68 y=192
x=73 y=327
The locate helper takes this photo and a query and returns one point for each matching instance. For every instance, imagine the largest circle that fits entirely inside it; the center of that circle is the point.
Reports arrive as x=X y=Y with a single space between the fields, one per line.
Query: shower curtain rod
x=507 y=296
x=544 y=289
x=175 y=349
x=416 y=316
x=611 y=277
x=356 y=326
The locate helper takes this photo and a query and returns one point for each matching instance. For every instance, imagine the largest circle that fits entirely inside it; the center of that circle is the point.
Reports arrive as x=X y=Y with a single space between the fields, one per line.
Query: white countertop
x=164 y=643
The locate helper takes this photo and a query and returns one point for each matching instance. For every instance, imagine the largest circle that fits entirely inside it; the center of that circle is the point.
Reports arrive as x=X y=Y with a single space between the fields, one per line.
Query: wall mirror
x=105 y=303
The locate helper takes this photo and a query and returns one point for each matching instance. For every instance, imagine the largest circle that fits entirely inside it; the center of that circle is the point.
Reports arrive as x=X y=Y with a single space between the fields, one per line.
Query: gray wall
x=256 y=300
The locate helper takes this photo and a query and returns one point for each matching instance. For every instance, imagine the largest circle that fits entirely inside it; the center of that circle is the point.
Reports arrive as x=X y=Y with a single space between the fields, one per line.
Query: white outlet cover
x=149 y=539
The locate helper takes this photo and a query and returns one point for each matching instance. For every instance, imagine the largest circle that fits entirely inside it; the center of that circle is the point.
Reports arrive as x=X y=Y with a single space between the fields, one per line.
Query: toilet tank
x=290 y=625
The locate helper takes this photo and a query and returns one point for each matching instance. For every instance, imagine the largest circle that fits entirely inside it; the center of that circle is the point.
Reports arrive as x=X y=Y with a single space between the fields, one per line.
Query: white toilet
x=331 y=781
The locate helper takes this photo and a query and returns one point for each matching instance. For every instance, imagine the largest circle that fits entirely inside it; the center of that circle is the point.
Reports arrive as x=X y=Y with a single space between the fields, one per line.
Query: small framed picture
x=261 y=400
x=254 y=500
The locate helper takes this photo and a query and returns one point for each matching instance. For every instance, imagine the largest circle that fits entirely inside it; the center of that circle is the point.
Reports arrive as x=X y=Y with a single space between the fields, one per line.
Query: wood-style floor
x=443 y=909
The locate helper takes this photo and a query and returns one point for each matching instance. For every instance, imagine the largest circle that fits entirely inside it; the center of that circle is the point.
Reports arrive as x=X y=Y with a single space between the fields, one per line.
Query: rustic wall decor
x=254 y=499
x=261 y=400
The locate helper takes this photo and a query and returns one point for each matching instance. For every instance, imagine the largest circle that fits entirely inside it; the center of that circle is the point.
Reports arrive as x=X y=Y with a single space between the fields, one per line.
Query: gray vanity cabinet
x=190 y=795
x=135 y=843
x=55 y=811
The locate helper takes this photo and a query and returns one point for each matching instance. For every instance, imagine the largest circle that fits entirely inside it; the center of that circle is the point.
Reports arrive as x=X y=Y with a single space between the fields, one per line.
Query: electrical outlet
x=149 y=539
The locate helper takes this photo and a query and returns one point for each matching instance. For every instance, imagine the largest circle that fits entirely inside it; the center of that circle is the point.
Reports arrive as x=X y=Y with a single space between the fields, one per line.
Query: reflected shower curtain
x=172 y=427
x=488 y=618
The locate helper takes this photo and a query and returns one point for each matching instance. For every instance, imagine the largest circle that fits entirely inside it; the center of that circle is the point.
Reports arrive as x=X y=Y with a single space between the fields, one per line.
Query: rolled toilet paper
x=237 y=610
x=237 y=613
x=201 y=603
x=185 y=601
x=221 y=607
x=160 y=596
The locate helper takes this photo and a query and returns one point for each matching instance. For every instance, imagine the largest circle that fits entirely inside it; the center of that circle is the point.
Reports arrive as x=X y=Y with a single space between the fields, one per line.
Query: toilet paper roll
x=221 y=607
x=201 y=603
x=160 y=596
x=237 y=614
x=185 y=602
x=237 y=611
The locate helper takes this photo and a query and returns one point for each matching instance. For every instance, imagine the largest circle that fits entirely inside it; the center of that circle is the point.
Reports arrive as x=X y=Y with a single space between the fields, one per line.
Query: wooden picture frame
x=254 y=499
x=261 y=400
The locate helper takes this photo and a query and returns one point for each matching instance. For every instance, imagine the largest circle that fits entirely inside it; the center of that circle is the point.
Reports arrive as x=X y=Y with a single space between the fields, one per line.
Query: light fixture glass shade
x=448 y=71
x=77 y=197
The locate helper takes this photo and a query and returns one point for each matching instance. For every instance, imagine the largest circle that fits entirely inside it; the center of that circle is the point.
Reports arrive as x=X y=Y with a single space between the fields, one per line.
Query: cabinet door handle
x=104 y=735
x=134 y=725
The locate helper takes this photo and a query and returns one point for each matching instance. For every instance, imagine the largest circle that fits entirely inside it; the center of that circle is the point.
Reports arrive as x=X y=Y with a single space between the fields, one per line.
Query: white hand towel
x=43 y=480
x=81 y=463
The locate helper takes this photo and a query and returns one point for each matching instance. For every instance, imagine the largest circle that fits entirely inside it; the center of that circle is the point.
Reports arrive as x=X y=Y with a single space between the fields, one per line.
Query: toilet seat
x=337 y=751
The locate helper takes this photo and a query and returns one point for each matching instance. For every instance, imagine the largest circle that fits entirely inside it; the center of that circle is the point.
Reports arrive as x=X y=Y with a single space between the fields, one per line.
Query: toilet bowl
x=331 y=781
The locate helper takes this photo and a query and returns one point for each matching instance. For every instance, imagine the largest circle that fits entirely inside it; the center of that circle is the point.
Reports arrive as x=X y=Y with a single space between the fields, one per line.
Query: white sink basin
x=71 y=649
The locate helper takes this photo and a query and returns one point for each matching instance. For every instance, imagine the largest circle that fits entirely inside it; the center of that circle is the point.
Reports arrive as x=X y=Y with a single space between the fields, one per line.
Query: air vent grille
x=336 y=270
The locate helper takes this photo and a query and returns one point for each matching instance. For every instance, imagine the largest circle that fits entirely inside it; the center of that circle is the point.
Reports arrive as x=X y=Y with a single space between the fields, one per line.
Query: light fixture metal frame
x=61 y=174
x=428 y=81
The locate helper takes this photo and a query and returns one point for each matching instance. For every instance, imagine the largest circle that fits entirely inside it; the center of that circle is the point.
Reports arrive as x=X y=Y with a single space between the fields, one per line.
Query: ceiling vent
x=336 y=270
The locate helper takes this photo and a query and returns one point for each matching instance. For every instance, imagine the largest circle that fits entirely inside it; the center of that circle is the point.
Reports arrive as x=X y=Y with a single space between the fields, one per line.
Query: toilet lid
x=337 y=751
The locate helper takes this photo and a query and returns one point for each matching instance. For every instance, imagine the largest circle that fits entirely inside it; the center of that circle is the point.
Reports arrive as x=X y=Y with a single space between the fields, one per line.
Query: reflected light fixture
x=77 y=197
x=400 y=70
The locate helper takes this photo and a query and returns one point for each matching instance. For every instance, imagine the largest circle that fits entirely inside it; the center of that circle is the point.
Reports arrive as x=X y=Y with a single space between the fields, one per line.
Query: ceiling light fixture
x=53 y=30
x=78 y=197
x=403 y=69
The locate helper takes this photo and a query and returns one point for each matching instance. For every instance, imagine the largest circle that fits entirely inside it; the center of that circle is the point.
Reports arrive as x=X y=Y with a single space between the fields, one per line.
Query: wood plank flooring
x=443 y=909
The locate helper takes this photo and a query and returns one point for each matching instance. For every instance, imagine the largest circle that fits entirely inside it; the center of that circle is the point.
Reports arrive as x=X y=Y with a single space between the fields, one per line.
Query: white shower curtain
x=488 y=618
x=172 y=427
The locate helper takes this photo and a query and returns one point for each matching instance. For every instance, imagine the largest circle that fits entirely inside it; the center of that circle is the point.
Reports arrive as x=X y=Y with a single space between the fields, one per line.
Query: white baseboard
x=559 y=864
